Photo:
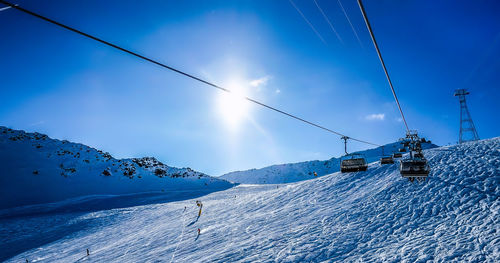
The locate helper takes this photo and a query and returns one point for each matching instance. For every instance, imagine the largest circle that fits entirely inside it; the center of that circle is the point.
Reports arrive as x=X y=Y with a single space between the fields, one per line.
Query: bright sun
x=233 y=106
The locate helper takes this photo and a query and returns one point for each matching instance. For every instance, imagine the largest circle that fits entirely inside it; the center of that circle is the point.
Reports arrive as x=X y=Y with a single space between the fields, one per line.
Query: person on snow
x=199 y=231
x=315 y=174
x=200 y=205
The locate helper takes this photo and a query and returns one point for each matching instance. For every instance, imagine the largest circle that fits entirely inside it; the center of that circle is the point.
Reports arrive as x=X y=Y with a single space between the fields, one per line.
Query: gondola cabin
x=386 y=160
x=419 y=155
x=414 y=168
x=418 y=146
x=353 y=163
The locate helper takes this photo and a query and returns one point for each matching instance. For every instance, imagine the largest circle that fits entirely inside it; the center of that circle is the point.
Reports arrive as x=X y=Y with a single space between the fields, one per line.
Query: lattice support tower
x=467 y=129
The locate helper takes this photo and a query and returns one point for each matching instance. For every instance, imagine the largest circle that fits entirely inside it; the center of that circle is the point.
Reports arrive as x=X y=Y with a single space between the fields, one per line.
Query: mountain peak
x=37 y=169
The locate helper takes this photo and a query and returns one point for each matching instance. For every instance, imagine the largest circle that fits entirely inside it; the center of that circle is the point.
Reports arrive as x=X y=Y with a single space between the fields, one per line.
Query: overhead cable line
x=349 y=20
x=328 y=21
x=382 y=62
x=176 y=70
x=307 y=21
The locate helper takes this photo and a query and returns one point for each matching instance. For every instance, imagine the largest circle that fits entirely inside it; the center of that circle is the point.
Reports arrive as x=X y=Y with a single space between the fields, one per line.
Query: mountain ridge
x=35 y=169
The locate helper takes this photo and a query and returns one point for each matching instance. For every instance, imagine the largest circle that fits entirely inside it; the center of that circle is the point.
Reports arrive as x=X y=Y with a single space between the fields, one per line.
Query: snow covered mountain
x=365 y=216
x=294 y=172
x=36 y=169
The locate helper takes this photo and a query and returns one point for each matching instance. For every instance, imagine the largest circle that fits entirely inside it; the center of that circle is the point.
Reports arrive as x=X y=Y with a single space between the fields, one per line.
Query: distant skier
x=88 y=252
x=197 y=236
x=184 y=209
x=315 y=174
x=200 y=205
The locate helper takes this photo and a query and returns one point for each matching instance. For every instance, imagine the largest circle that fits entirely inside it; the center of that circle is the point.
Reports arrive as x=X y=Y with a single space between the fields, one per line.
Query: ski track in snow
x=181 y=235
x=366 y=216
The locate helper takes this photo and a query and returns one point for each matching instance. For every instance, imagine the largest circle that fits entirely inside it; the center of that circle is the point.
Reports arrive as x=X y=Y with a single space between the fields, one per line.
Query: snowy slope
x=365 y=216
x=294 y=172
x=36 y=169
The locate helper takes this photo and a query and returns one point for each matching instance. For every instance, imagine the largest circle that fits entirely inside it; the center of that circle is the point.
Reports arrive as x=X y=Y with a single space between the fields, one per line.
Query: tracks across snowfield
x=365 y=216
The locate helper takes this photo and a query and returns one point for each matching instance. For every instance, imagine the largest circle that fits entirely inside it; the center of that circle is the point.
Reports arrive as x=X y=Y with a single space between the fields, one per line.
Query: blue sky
x=69 y=87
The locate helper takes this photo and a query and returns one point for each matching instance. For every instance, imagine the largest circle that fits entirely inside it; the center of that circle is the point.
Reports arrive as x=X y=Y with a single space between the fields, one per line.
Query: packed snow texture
x=343 y=217
x=36 y=169
x=294 y=172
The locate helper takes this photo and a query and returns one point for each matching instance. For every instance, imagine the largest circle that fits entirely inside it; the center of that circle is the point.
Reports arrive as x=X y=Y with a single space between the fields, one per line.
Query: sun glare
x=233 y=107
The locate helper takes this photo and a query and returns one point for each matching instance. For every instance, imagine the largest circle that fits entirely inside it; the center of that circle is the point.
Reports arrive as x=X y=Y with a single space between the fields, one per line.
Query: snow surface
x=294 y=172
x=36 y=169
x=364 y=216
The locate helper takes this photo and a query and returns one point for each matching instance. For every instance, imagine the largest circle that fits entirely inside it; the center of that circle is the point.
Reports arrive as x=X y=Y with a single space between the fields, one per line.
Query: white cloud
x=277 y=91
x=375 y=117
x=37 y=123
x=260 y=81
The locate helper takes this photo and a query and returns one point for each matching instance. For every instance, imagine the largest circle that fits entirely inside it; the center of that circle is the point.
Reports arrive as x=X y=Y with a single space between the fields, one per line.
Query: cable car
x=419 y=155
x=414 y=167
x=418 y=146
x=397 y=155
x=353 y=163
x=386 y=160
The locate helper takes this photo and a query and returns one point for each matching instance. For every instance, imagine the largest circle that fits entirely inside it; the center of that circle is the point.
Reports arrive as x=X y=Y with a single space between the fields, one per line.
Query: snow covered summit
x=36 y=169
